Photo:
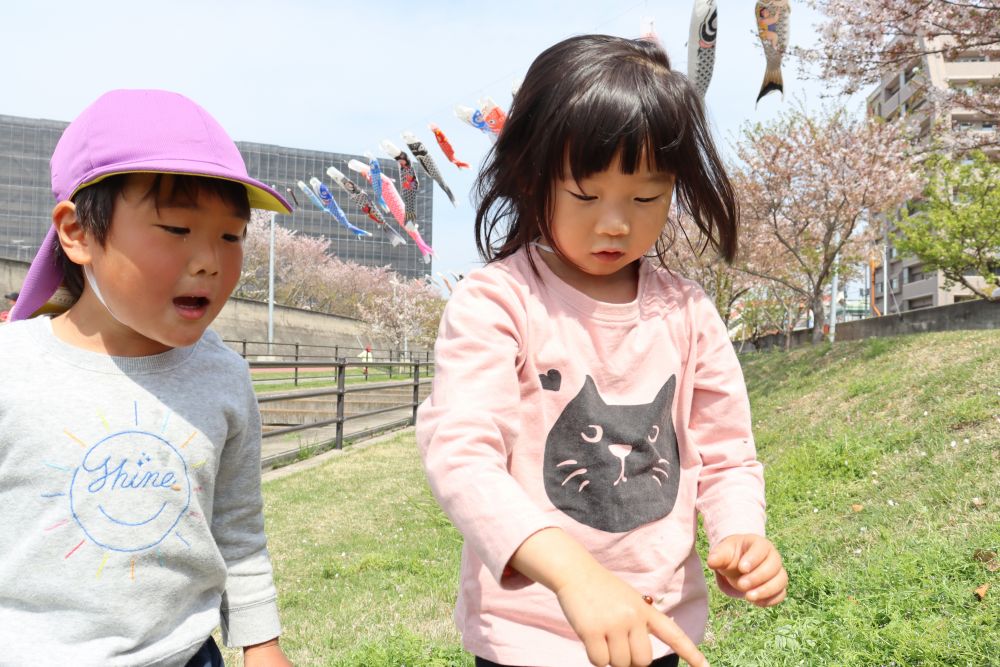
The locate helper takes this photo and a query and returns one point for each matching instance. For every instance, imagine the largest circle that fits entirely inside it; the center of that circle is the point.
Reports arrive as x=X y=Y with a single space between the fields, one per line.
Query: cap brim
x=260 y=195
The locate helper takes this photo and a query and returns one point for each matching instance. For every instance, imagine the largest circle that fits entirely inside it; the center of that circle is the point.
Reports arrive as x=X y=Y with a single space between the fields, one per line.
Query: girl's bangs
x=639 y=124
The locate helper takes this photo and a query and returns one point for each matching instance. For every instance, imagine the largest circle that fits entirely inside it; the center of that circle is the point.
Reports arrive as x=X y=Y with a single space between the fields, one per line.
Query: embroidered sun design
x=129 y=491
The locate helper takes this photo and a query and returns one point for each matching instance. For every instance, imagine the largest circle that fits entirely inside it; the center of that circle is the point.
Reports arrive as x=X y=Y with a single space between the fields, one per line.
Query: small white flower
x=857 y=552
x=815 y=510
x=925 y=413
x=954 y=444
x=965 y=441
x=892 y=503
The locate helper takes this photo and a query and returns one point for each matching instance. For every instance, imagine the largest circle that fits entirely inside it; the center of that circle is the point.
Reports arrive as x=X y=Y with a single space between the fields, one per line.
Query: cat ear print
x=551 y=380
x=666 y=394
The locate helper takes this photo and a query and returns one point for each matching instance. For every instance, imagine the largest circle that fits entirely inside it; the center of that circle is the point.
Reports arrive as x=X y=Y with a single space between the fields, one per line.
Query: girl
x=587 y=404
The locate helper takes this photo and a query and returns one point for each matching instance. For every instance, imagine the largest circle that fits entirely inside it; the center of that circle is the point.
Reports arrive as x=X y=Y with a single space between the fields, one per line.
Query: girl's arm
x=466 y=428
x=608 y=615
x=731 y=480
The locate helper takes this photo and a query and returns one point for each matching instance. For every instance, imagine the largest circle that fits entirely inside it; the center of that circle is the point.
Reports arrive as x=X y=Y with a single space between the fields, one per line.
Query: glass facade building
x=26 y=202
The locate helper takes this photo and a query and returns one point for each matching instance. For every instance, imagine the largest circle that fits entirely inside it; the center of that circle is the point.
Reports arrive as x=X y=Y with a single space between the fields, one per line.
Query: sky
x=342 y=76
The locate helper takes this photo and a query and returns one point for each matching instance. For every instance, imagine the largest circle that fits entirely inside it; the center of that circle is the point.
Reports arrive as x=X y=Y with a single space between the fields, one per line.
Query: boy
x=129 y=434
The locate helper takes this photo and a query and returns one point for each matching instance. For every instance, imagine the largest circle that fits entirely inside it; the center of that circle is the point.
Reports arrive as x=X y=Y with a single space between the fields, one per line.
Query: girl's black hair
x=95 y=204
x=589 y=99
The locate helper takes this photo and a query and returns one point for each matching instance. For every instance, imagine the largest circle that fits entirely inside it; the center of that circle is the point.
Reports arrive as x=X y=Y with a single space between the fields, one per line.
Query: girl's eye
x=176 y=231
x=232 y=238
x=582 y=197
x=647 y=200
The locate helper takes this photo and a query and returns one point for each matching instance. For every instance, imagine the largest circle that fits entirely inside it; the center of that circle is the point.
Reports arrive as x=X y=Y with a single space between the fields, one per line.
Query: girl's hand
x=614 y=622
x=750 y=565
x=608 y=615
x=268 y=654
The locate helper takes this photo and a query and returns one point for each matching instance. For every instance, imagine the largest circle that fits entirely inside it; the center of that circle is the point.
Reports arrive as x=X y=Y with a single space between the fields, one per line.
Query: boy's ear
x=73 y=238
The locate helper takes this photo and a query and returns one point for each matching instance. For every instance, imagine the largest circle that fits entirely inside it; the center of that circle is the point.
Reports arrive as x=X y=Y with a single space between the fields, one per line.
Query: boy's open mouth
x=191 y=306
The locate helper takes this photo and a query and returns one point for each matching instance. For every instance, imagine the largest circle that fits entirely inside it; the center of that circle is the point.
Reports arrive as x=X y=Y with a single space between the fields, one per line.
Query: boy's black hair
x=95 y=204
x=588 y=99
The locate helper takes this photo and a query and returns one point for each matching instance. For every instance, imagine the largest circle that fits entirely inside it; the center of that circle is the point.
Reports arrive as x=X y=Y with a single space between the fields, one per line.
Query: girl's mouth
x=191 y=307
x=608 y=255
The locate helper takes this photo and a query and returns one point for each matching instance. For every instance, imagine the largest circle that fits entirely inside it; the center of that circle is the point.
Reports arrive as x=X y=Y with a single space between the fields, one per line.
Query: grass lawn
x=883 y=466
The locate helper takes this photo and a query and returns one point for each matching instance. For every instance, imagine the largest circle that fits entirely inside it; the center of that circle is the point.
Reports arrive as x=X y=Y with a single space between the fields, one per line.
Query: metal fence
x=318 y=418
x=373 y=363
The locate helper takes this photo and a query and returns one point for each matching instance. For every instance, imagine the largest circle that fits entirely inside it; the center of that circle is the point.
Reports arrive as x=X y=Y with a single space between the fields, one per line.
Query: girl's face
x=603 y=224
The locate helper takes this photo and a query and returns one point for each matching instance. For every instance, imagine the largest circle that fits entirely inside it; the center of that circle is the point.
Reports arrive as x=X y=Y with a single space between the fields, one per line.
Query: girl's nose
x=613 y=221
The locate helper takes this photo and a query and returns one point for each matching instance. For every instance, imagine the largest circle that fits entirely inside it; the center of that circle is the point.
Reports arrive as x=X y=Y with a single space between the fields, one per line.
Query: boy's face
x=165 y=274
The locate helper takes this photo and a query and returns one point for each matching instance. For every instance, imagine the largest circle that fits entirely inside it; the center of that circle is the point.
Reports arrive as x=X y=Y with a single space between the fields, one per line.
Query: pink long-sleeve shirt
x=617 y=423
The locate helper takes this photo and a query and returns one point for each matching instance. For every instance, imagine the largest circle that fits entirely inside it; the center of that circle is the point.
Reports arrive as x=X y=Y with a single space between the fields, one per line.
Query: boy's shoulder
x=211 y=346
x=15 y=337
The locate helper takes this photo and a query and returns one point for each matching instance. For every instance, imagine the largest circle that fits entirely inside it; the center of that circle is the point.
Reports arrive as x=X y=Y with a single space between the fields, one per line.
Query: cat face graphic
x=612 y=467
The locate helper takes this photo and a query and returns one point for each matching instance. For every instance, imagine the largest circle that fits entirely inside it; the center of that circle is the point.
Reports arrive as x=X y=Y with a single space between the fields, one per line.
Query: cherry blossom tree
x=402 y=312
x=861 y=42
x=688 y=255
x=394 y=309
x=811 y=189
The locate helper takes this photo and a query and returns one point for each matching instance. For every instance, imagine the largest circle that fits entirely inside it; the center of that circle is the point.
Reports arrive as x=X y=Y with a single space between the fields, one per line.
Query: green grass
x=367 y=565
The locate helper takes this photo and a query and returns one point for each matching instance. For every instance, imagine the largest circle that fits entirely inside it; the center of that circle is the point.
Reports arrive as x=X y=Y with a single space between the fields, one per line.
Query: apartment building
x=907 y=94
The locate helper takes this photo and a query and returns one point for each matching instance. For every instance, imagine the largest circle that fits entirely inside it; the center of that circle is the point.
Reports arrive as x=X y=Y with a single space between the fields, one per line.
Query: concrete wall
x=961 y=316
x=11 y=276
x=247 y=320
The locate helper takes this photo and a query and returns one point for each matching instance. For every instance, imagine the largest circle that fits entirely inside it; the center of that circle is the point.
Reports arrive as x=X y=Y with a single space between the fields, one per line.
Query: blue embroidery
x=130 y=491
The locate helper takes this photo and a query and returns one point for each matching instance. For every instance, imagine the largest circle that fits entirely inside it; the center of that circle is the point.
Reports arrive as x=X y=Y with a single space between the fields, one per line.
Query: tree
x=402 y=312
x=688 y=255
x=766 y=309
x=810 y=191
x=394 y=309
x=864 y=41
x=955 y=227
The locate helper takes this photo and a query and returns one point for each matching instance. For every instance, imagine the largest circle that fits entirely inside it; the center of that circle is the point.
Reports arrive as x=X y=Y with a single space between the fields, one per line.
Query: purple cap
x=134 y=131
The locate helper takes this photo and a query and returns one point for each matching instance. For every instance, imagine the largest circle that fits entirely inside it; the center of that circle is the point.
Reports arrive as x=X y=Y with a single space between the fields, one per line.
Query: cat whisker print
x=575 y=473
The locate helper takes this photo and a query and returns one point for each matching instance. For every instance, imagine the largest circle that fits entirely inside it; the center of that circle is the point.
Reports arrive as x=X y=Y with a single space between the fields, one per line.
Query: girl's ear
x=73 y=238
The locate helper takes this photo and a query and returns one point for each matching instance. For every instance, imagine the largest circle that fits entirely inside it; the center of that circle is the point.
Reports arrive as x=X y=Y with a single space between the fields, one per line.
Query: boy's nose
x=204 y=259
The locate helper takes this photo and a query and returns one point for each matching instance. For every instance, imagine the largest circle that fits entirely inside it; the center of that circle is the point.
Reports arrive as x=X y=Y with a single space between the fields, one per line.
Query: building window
x=920 y=302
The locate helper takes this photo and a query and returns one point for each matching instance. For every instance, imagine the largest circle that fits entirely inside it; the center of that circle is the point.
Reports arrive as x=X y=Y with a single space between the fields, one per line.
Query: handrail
x=340 y=390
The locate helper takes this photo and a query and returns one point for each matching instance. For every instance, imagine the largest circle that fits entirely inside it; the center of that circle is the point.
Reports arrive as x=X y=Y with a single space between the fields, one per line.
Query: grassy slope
x=366 y=564
x=872 y=423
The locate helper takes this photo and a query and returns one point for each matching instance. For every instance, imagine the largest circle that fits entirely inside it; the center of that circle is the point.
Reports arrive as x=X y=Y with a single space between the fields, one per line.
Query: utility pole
x=270 y=287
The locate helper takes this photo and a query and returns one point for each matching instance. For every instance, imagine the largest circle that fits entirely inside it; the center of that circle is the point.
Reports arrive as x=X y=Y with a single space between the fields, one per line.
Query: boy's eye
x=646 y=200
x=177 y=231
x=232 y=238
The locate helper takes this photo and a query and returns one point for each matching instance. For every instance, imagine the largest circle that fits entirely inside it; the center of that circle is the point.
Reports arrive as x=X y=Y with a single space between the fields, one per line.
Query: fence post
x=296 y=364
x=341 y=369
x=390 y=365
x=416 y=391
x=244 y=349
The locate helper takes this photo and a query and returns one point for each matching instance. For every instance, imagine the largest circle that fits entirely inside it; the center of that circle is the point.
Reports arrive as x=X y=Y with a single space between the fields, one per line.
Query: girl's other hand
x=614 y=622
x=749 y=564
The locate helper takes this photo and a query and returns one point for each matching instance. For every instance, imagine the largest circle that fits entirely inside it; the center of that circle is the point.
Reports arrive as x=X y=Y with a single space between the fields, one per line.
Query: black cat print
x=612 y=467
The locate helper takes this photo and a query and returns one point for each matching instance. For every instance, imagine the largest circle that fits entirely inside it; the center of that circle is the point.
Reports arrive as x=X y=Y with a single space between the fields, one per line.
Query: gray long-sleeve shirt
x=130 y=505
